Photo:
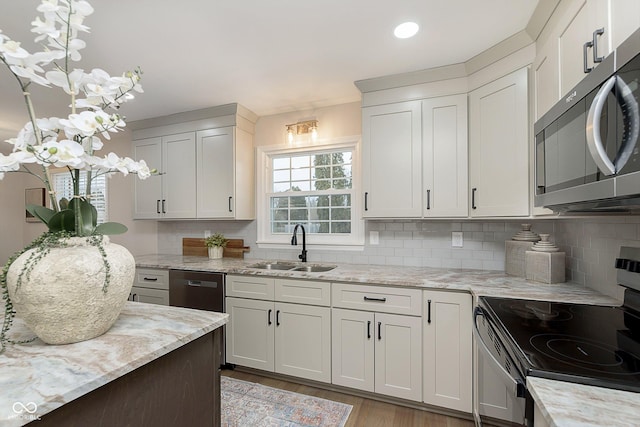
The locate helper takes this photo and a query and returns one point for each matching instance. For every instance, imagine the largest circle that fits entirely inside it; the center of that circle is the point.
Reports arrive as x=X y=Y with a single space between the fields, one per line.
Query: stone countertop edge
x=565 y=404
x=52 y=375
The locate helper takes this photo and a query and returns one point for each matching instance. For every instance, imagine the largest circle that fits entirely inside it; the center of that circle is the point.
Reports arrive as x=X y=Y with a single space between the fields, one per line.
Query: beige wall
x=15 y=232
x=333 y=122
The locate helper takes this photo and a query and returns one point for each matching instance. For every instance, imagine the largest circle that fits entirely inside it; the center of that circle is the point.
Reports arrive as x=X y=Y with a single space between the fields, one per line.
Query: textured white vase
x=215 y=252
x=62 y=298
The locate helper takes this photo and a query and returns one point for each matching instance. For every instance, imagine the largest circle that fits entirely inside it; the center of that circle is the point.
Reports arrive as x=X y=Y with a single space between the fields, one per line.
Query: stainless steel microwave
x=587 y=155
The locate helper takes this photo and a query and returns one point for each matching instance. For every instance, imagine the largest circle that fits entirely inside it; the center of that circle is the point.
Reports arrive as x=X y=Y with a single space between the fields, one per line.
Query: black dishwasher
x=200 y=290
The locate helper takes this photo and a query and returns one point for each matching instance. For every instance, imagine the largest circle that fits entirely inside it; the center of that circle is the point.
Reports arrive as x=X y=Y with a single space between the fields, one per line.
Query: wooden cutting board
x=195 y=247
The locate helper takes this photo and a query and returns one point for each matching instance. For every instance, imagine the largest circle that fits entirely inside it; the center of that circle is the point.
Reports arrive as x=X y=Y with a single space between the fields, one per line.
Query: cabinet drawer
x=253 y=287
x=152 y=278
x=303 y=292
x=150 y=296
x=377 y=298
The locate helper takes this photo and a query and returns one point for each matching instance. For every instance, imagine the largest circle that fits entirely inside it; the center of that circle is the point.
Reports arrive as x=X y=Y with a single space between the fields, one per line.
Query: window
x=314 y=187
x=63 y=185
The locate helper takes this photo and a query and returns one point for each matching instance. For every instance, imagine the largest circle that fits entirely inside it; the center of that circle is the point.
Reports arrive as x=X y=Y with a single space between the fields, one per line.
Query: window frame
x=267 y=239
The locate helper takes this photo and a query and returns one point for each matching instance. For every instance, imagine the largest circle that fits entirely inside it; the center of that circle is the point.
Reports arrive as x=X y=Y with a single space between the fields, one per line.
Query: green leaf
x=110 y=228
x=62 y=221
x=40 y=212
x=88 y=216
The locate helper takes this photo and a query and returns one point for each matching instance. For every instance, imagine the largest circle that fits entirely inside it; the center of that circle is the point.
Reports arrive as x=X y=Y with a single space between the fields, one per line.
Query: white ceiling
x=270 y=56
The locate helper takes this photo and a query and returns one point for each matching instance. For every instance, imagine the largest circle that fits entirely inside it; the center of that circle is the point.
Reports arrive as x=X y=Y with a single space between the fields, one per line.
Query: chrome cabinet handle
x=594 y=43
x=585 y=47
x=594 y=141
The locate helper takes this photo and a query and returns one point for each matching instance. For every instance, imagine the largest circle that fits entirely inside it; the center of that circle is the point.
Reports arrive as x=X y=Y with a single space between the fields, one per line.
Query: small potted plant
x=216 y=243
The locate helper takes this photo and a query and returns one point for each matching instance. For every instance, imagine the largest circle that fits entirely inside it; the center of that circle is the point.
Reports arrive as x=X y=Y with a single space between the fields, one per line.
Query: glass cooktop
x=596 y=345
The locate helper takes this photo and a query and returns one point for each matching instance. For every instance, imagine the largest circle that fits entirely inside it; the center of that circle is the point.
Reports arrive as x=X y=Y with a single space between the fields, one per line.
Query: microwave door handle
x=631 y=116
x=594 y=141
x=517 y=387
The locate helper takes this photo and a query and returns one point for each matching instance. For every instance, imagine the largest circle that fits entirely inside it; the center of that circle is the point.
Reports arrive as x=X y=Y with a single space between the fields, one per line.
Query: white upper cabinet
x=499 y=147
x=415 y=158
x=206 y=167
x=391 y=153
x=172 y=192
x=578 y=33
x=444 y=168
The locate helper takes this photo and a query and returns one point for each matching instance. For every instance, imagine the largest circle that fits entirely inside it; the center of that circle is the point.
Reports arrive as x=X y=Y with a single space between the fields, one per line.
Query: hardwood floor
x=365 y=412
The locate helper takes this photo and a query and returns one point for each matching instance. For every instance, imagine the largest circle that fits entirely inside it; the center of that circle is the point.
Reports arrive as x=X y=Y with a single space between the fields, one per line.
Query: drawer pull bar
x=429 y=311
x=368 y=329
x=150 y=279
x=379 y=331
x=375 y=299
x=269 y=317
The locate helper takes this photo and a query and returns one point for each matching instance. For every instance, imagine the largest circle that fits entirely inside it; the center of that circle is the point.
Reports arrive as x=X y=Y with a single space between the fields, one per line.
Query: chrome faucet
x=294 y=242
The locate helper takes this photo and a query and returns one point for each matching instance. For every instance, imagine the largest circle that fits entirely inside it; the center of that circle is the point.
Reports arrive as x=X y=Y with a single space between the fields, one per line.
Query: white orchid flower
x=11 y=49
x=60 y=79
x=65 y=153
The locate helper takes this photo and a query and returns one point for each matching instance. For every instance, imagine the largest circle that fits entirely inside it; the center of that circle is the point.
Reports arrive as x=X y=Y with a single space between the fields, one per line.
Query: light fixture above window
x=406 y=30
x=301 y=128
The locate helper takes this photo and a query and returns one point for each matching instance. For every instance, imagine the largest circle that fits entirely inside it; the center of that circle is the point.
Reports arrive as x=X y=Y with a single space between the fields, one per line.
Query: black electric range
x=587 y=344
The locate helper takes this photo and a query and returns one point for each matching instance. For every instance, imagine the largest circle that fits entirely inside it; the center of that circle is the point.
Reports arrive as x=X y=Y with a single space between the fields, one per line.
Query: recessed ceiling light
x=406 y=30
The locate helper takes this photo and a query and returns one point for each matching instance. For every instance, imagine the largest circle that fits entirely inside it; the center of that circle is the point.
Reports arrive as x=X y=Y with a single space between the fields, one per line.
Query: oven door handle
x=517 y=387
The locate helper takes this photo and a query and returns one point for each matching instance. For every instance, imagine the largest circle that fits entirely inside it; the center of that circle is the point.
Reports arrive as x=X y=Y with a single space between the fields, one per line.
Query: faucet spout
x=294 y=241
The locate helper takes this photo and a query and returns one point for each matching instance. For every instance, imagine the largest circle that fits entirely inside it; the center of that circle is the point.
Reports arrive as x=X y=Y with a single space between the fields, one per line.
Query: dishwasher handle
x=201 y=283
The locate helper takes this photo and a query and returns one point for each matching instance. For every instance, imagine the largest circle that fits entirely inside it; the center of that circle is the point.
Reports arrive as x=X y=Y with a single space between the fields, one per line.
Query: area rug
x=250 y=404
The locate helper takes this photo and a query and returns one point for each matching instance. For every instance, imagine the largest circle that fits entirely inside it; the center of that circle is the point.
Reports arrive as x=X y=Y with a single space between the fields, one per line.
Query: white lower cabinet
x=283 y=337
x=151 y=286
x=447 y=350
x=376 y=351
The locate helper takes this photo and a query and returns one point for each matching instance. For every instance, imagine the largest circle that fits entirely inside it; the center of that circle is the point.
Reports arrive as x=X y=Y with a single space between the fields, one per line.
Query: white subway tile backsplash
x=591 y=243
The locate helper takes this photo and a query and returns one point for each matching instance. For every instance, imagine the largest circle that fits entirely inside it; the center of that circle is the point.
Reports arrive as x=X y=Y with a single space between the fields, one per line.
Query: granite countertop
x=44 y=377
x=478 y=282
x=567 y=404
x=563 y=404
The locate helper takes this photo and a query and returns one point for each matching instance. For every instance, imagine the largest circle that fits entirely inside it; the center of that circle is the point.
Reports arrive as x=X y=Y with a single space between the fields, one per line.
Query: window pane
x=298 y=201
x=319 y=214
x=279 y=202
x=281 y=163
x=278 y=227
x=342 y=171
x=322 y=159
x=300 y=174
x=300 y=186
x=300 y=162
x=341 y=227
x=346 y=157
x=341 y=184
x=280 y=215
x=280 y=187
x=282 y=176
x=319 y=227
x=321 y=172
x=341 y=214
x=298 y=215
x=341 y=200
x=323 y=184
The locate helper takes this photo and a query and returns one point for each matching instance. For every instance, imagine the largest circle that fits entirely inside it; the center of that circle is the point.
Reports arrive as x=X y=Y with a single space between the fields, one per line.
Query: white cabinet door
x=445 y=166
x=353 y=349
x=303 y=341
x=150 y=296
x=391 y=153
x=447 y=350
x=574 y=31
x=499 y=147
x=398 y=356
x=250 y=333
x=148 y=193
x=216 y=160
x=179 y=175
x=625 y=19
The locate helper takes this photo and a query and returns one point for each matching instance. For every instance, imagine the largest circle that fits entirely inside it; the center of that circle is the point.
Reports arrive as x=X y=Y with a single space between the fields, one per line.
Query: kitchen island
x=157 y=365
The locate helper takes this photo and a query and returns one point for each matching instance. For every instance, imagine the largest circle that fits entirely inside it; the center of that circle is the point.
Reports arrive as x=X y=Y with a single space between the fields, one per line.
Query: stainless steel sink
x=289 y=266
x=314 y=268
x=273 y=266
